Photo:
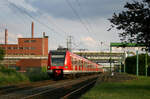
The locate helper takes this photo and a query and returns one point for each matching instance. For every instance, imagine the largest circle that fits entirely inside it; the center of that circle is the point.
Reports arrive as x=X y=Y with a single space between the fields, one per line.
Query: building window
x=9 y=48
x=20 y=47
x=26 y=48
x=33 y=41
x=15 y=47
x=32 y=48
x=3 y=48
x=15 y=54
x=26 y=41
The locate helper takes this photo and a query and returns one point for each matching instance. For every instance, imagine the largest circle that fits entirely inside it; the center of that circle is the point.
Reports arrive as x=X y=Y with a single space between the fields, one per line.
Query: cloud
x=19 y=36
x=12 y=38
x=58 y=16
x=81 y=37
x=85 y=8
x=23 y=4
x=89 y=41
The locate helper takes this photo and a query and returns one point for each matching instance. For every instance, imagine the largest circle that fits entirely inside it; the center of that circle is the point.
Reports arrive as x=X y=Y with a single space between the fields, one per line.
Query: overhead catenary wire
x=62 y=30
x=77 y=15
x=45 y=25
x=79 y=18
x=67 y=35
x=25 y=12
x=33 y=18
x=86 y=20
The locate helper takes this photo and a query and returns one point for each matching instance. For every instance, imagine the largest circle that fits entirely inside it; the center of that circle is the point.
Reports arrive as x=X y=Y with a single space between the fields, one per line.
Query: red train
x=63 y=62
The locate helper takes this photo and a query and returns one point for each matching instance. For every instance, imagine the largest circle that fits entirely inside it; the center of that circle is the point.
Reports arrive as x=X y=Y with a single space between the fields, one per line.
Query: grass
x=9 y=76
x=135 y=89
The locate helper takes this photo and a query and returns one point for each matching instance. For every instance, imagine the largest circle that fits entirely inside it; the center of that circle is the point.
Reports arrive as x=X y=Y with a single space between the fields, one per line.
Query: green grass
x=9 y=76
x=135 y=89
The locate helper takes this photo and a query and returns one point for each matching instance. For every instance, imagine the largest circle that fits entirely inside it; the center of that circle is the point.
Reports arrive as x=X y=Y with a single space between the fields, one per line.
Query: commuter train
x=64 y=63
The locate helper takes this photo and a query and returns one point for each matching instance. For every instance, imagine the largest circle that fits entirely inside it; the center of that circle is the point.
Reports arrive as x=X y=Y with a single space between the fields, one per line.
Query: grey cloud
x=90 y=8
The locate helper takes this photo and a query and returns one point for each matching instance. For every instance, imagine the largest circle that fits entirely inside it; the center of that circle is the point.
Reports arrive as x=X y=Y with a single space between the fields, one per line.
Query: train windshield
x=58 y=58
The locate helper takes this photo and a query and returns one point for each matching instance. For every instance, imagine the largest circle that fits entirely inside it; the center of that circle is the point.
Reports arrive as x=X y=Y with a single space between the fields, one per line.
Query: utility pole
x=146 y=63
x=110 y=60
x=69 y=43
x=137 y=63
x=101 y=43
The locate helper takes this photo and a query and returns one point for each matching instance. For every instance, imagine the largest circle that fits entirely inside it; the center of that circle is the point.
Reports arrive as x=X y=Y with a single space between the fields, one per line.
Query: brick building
x=28 y=49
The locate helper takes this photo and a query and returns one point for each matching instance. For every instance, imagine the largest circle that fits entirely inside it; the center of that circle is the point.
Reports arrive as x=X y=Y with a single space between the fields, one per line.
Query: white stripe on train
x=72 y=71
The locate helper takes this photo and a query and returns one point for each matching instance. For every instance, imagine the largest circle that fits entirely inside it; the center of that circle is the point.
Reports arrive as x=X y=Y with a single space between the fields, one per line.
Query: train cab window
x=58 y=58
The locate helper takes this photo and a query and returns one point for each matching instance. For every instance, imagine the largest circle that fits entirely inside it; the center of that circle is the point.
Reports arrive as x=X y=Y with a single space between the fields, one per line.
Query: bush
x=37 y=74
x=131 y=64
x=2 y=53
x=10 y=76
x=7 y=71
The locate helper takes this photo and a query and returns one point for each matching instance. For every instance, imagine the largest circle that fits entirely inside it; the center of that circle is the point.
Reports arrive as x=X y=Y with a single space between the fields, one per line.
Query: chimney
x=43 y=34
x=6 y=36
x=32 y=29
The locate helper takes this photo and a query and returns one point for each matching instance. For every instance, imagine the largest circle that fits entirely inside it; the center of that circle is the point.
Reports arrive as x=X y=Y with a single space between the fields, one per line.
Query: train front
x=56 y=63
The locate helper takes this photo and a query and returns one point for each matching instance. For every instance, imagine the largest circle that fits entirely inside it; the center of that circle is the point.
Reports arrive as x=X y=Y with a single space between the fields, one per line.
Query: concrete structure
x=101 y=57
x=26 y=47
x=104 y=58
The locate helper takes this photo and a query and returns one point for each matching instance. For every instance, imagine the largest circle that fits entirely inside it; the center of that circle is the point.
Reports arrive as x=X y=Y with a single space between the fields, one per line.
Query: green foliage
x=131 y=64
x=7 y=71
x=38 y=74
x=2 y=53
x=10 y=76
x=134 y=22
x=44 y=69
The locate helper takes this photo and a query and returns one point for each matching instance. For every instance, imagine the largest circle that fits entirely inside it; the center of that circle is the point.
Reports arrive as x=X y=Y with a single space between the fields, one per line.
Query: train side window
x=77 y=62
x=73 y=61
x=80 y=63
x=83 y=64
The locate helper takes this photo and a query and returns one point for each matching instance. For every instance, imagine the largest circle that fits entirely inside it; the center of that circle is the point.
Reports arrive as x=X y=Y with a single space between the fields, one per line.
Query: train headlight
x=66 y=66
x=48 y=67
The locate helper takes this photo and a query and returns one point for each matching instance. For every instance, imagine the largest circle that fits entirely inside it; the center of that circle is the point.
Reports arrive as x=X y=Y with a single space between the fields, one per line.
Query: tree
x=134 y=22
x=2 y=53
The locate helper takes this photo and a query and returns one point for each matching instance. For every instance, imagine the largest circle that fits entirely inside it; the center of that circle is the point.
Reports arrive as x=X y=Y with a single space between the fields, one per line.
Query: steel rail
x=13 y=88
x=77 y=90
x=40 y=93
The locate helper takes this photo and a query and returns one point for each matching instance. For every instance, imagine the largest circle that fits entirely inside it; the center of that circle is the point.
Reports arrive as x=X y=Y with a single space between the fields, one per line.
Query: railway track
x=13 y=88
x=75 y=94
x=60 y=89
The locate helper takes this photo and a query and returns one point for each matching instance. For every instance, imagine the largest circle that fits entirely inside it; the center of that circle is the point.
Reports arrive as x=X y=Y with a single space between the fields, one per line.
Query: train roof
x=72 y=54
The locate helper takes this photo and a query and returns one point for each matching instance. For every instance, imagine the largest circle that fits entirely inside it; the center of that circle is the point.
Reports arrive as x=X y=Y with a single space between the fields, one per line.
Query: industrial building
x=28 y=53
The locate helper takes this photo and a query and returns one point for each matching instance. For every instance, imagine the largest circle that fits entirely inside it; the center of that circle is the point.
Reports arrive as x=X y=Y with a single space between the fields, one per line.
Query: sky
x=86 y=21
